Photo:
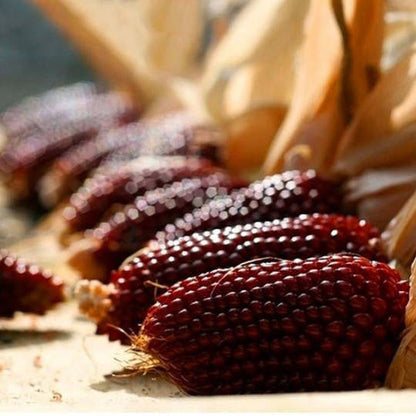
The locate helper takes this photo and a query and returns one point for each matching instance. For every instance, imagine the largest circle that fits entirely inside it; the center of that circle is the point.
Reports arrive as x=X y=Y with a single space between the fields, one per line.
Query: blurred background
x=34 y=55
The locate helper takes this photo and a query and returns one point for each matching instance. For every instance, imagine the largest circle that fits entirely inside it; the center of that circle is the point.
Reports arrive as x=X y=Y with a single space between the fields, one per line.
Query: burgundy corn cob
x=36 y=113
x=68 y=170
x=26 y=288
x=283 y=195
x=172 y=134
x=128 y=229
x=166 y=264
x=325 y=323
x=23 y=162
x=122 y=184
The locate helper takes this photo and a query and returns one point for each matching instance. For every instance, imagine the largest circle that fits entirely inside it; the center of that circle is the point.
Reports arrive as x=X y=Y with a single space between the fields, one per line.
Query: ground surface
x=56 y=363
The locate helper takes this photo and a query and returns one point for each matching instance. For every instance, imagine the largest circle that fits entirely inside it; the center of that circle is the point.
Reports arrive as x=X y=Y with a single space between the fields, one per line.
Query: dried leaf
x=379 y=194
x=337 y=68
x=249 y=76
x=383 y=132
x=400 y=235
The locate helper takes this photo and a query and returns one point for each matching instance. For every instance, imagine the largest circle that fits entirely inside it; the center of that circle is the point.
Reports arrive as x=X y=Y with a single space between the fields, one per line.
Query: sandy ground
x=56 y=363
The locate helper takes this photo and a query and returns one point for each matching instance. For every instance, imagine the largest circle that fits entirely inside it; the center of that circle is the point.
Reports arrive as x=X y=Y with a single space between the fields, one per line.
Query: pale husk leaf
x=136 y=45
x=379 y=194
x=253 y=64
x=402 y=371
x=400 y=235
x=248 y=81
x=338 y=63
x=384 y=129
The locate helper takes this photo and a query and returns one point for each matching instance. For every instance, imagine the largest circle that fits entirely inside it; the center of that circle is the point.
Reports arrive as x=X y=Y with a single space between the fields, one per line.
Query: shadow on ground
x=10 y=338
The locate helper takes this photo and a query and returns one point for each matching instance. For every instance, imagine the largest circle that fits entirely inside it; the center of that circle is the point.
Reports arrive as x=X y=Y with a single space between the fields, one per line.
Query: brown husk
x=400 y=235
x=384 y=129
x=248 y=81
x=377 y=195
x=402 y=371
x=337 y=67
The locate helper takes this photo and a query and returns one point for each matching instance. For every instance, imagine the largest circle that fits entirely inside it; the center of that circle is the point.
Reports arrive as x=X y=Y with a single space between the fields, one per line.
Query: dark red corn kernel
x=150 y=265
x=23 y=163
x=122 y=185
x=26 y=288
x=127 y=230
x=284 y=195
x=332 y=361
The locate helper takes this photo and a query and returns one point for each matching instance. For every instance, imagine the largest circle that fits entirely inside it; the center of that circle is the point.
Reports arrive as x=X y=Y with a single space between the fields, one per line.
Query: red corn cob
x=35 y=114
x=173 y=134
x=176 y=133
x=68 y=170
x=123 y=184
x=131 y=294
x=325 y=323
x=284 y=195
x=23 y=162
x=125 y=231
x=26 y=288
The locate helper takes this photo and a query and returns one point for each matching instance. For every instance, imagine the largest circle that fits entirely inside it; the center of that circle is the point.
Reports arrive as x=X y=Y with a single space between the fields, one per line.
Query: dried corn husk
x=248 y=81
x=378 y=194
x=137 y=45
x=338 y=66
x=400 y=32
x=400 y=235
x=402 y=372
x=384 y=131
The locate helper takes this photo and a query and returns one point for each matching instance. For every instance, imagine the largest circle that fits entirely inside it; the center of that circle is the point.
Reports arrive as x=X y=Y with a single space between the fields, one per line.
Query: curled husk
x=338 y=66
x=248 y=81
x=383 y=131
x=400 y=235
x=377 y=195
x=402 y=371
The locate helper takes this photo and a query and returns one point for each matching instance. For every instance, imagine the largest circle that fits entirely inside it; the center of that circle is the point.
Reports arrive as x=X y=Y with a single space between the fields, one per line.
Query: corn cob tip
x=93 y=298
x=140 y=361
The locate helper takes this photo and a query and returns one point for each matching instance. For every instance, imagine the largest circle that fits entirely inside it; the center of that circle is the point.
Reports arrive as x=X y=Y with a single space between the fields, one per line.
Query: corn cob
x=23 y=162
x=132 y=293
x=68 y=170
x=324 y=323
x=34 y=114
x=283 y=195
x=122 y=185
x=176 y=133
x=172 y=134
x=26 y=288
x=128 y=229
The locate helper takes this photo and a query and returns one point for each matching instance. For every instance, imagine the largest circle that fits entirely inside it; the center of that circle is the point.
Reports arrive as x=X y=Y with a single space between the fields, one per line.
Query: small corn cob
x=123 y=184
x=324 y=323
x=35 y=114
x=283 y=195
x=127 y=230
x=68 y=170
x=132 y=291
x=23 y=162
x=173 y=134
x=26 y=288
